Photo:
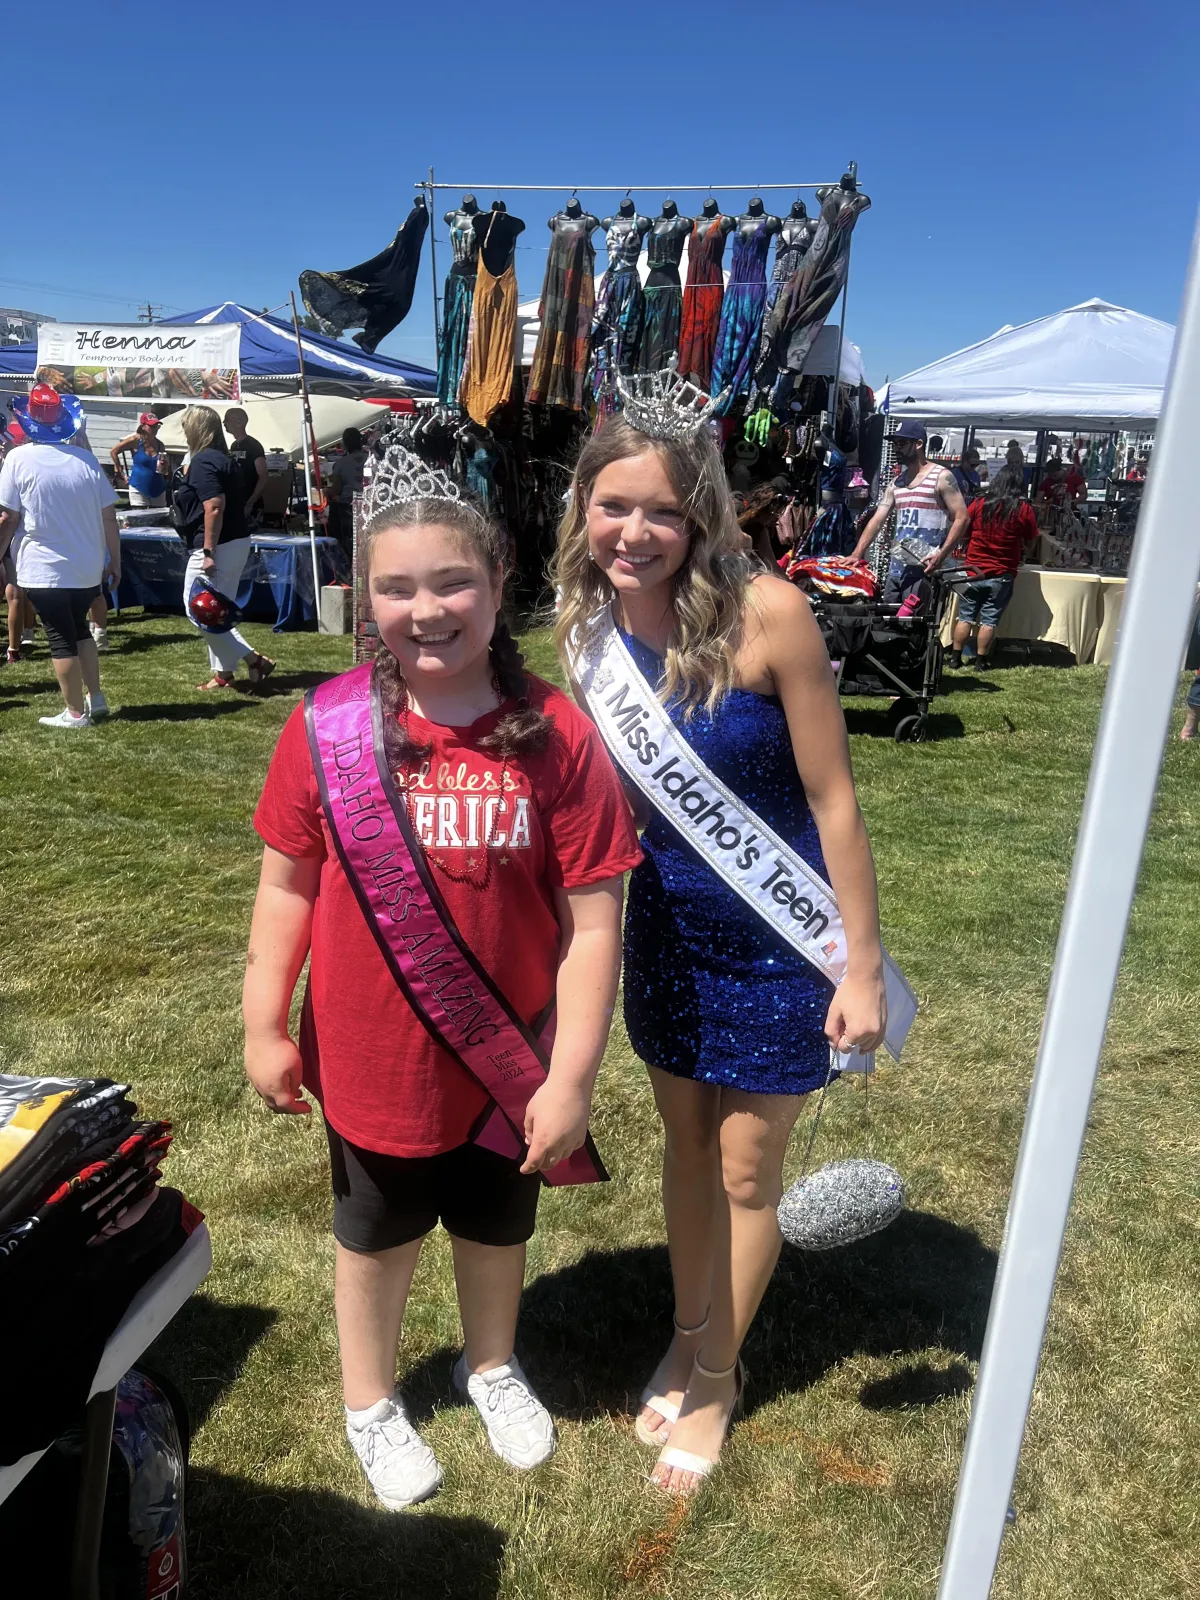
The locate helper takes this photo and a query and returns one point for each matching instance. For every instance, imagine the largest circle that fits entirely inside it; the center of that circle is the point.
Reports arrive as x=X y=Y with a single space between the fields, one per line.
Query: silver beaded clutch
x=841 y=1203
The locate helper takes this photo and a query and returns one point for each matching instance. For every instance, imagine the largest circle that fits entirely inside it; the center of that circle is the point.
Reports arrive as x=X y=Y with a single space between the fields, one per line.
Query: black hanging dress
x=664 y=302
x=375 y=295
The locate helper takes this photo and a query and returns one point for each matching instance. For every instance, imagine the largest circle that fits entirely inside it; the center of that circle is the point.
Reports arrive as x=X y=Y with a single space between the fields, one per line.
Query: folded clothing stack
x=83 y=1224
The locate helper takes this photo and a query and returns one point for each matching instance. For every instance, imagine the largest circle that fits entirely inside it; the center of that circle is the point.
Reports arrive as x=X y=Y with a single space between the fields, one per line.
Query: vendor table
x=278 y=580
x=149 y=1312
x=152 y=563
x=277 y=585
x=1059 y=607
x=1112 y=603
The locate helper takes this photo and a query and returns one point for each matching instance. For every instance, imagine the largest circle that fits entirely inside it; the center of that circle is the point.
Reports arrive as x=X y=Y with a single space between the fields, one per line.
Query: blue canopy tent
x=268 y=358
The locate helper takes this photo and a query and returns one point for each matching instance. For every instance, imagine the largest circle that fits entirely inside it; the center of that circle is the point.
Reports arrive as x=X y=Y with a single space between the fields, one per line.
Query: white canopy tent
x=278 y=424
x=1093 y=366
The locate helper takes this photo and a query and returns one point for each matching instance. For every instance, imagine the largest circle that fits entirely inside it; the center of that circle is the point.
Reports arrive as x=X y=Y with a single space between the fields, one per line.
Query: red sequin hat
x=49 y=417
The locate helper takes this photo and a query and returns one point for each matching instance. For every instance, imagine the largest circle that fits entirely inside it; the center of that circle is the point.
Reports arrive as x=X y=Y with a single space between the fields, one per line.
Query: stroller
x=879 y=649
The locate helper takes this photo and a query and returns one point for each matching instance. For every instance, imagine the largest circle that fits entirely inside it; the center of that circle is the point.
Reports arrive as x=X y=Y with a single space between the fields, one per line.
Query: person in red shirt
x=1053 y=487
x=1002 y=527
x=526 y=832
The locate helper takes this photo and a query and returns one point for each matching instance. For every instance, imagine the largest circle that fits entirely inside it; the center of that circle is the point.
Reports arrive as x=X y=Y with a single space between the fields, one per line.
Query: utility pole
x=146 y=312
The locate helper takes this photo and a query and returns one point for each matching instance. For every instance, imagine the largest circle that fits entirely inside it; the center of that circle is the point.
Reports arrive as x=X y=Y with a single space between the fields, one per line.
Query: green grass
x=129 y=867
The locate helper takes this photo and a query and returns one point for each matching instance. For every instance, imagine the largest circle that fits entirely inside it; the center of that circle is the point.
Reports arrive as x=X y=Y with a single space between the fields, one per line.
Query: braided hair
x=521 y=731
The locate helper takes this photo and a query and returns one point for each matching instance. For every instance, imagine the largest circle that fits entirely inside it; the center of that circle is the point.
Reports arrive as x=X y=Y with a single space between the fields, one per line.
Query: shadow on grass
x=921 y=1384
x=288 y=683
x=969 y=682
x=245 y=1539
x=46 y=685
x=881 y=724
x=205 y=1347
x=131 y=644
x=180 y=711
x=591 y=1334
x=1031 y=653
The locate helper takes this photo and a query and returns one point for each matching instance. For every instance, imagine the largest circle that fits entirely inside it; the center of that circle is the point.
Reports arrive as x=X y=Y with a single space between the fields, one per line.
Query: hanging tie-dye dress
x=742 y=313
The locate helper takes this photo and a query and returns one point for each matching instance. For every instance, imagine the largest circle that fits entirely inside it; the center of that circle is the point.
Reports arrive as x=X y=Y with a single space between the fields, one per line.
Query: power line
x=74 y=294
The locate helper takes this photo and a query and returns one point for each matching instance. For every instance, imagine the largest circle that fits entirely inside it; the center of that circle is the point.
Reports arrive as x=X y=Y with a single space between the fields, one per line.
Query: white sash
x=740 y=848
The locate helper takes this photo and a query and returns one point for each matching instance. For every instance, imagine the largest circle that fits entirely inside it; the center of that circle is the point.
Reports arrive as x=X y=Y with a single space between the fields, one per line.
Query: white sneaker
x=400 y=1466
x=27 y=637
x=518 y=1424
x=99 y=636
x=97 y=705
x=66 y=718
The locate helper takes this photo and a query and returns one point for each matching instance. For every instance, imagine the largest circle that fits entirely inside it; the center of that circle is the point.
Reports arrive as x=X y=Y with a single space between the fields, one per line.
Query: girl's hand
x=274 y=1069
x=555 y=1125
x=857 y=1015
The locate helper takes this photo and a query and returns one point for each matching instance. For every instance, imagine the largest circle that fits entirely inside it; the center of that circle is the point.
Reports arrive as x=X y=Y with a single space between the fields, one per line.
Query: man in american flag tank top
x=927 y=502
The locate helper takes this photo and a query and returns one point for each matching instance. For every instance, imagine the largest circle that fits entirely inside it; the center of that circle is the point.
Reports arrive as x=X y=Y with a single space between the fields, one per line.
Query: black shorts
x=382 y=1201
x=64 y=615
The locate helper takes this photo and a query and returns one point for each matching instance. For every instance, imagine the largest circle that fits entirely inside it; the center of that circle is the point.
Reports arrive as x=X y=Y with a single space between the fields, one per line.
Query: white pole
x=309 y=442
x=1112 y=834
x=312 y=519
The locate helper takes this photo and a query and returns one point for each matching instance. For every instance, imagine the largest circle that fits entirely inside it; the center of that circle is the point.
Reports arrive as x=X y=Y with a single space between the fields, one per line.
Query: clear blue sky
x=1020 y=158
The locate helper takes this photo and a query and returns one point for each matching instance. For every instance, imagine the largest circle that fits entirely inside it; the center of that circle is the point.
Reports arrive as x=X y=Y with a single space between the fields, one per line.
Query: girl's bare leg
x=370 y=1294
x=754 y=1133
x=489 y=1279
x=691 y=1188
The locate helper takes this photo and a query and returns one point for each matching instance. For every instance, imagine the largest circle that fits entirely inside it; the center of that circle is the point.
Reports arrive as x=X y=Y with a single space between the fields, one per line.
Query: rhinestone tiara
x=401 y=475
x=664 y=405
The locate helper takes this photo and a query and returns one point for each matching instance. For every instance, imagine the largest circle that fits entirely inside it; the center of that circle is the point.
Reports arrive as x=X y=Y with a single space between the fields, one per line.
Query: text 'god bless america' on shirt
x=555 y=819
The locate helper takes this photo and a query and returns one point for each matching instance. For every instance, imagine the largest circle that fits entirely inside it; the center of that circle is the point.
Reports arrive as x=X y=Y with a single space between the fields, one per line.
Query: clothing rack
x=619 y=188
x=429 y=187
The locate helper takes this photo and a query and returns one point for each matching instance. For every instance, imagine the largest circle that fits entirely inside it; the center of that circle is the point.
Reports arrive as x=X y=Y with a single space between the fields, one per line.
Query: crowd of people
x=61 y=542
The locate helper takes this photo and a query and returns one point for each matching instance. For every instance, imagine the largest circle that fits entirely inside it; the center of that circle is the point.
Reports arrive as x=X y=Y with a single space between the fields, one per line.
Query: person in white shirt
x=66 y=506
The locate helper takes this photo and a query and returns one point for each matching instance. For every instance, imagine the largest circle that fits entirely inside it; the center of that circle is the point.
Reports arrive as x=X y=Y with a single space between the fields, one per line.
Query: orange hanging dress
x=487 y=378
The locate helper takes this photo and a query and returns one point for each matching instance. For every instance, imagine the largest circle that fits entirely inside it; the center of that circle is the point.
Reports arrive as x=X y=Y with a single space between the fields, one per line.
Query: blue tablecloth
x=276 y=587
x=278 y=580
x=152 y=563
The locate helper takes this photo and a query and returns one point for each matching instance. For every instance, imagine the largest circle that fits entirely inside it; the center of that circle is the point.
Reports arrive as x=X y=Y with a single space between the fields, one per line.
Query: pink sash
x=453 y=997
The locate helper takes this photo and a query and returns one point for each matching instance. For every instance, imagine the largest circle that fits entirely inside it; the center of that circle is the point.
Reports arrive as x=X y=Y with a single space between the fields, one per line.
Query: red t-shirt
x=994 y=549
x=563 y=822
x=1075 y=481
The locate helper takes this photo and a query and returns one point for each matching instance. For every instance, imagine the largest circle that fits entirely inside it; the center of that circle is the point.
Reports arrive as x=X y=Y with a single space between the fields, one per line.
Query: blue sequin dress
x=711 y=993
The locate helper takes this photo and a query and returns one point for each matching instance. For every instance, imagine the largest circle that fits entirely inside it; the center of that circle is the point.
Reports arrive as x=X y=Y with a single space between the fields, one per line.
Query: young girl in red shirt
x=521 y=834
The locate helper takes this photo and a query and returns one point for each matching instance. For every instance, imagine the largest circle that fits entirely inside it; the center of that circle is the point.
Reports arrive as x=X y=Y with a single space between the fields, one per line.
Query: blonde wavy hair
x=710 y=589
x=202 y=430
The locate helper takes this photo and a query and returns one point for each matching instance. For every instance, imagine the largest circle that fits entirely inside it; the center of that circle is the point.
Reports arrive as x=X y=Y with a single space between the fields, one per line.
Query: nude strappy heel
x=659 y=1402
x=685 y=1460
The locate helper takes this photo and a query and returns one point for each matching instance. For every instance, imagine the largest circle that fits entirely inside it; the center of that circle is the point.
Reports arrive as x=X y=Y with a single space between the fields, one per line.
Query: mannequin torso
x=755 y=220
x=841 y=203
x=623 y=236
x=797 y=232
x=463 y=243
x=573 y=219
x=712 y=213
x=496 y=235
x=668 y=235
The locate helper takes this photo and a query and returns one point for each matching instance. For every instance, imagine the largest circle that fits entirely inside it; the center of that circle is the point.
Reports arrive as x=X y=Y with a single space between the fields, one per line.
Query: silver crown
x=664 y=405
x=400 y=475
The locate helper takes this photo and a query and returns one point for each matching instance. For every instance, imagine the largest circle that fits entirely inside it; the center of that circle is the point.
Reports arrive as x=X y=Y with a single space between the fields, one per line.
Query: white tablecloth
x=1066 y=608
